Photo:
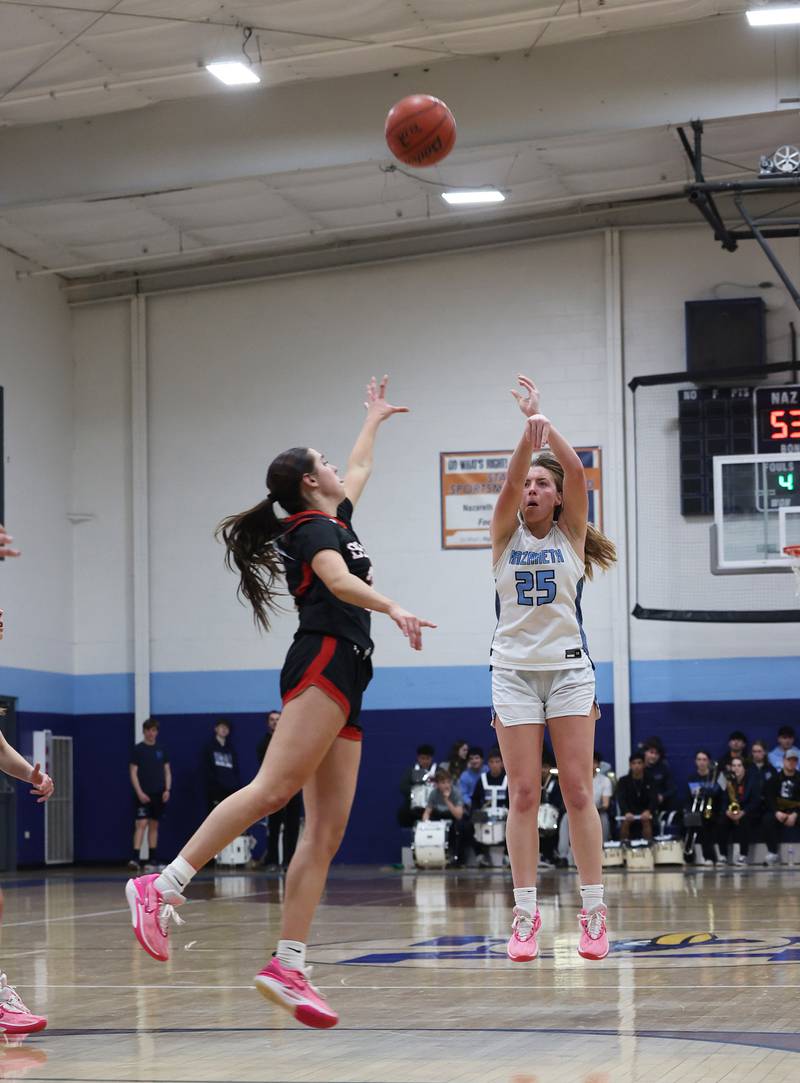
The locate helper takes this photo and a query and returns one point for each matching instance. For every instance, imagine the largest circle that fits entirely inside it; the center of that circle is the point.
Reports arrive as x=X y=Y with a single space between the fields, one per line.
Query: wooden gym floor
x=703 y=982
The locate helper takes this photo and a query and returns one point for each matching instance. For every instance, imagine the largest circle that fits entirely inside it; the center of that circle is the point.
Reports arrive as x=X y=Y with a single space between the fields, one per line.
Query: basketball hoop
x=793 y=553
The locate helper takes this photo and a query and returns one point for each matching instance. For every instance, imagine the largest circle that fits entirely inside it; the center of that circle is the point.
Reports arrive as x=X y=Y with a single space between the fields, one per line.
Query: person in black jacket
x=636 y=797
x=738 y=811
x=658 y=774
x=702 y=810
x=783 y=798
x=221 y=765
x=287 y=817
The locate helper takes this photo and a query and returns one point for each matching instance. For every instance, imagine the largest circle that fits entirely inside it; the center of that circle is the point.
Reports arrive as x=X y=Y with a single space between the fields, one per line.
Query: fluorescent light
x=469 y=199
x=232 y=72
x=774 y=16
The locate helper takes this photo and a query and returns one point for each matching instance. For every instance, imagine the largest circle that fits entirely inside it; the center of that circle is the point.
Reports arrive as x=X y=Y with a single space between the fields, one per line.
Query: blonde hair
x=599 y=551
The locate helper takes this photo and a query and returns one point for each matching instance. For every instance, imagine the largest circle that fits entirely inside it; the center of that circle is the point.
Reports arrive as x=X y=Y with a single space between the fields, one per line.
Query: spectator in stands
x=457 y=760
x=445 y=803
x=783 y=798
x=737 y=746
x=739 y=811
x=551 y=811
x=471 y=774
x=151 y=778
x=786 y=739
x=287 y=818
x=491 y=790
x=221 y=765
x=703 y=804
x=658 y=774
x=762 y=771
x=637 y=800
x=420 y=775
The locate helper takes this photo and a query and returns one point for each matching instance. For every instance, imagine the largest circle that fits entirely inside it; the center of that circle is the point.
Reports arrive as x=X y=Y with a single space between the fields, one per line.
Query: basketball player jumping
x=542 y=549
x=316 y=746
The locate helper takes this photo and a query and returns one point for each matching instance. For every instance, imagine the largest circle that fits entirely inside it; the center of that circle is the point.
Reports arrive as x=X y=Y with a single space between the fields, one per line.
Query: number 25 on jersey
x=542 y=581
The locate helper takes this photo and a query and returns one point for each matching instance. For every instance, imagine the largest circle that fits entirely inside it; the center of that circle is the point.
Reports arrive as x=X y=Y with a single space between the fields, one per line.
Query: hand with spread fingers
x=376 y=403
x=410 y=626
x=538 y=427
x=528 y=399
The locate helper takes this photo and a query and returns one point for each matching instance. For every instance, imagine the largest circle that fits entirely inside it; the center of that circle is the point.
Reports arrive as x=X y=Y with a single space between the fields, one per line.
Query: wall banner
x=471 y=482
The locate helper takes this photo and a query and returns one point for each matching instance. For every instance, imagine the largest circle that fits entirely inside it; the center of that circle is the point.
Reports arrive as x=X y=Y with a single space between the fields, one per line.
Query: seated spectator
x=737 y=746
x=786 y=739
x=457 y=760
x=658 y=774
x=637 y=801
x=471 y=774
x=492 y=777
x=446 y=803
x=702 y=810
x=551 y=799
x=762 y=771
x=739 y=810
x=419 y=775
x=603 y=791
x=783 y=798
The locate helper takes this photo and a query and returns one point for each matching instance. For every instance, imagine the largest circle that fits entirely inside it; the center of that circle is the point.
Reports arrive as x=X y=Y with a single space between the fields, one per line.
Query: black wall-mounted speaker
x=725 y=334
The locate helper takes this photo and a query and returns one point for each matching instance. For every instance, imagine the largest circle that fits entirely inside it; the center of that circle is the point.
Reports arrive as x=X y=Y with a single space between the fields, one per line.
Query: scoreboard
x=776 y=411
x=734 y=421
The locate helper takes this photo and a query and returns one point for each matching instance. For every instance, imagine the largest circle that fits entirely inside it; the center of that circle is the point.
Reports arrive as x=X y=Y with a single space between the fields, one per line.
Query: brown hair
x=442 y=775
x=599 y=551
x=249 y=536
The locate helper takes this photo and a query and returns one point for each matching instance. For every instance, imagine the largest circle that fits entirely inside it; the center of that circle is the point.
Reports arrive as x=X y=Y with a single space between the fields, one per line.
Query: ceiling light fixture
x=472 y=199
x=232 y=72
x=783 y=15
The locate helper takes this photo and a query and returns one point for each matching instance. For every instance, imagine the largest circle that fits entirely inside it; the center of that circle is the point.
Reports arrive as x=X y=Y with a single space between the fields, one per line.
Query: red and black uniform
x=332 y=647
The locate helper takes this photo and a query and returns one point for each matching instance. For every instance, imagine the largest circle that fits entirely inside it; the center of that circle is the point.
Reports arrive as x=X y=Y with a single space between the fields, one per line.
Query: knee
x=577 y=795
x=326 y=839
x=524 y=797
x=273 y=800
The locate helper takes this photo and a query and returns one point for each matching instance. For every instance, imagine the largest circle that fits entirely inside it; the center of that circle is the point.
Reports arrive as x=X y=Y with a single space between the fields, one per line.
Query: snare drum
x=492 y=830
x=430 y=844
x=667 y=850
x=548 y=818
x=639 y=857
x=612 y=855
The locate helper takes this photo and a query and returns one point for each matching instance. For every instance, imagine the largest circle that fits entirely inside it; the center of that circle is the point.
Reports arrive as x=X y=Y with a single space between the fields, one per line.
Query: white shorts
x=524 y=697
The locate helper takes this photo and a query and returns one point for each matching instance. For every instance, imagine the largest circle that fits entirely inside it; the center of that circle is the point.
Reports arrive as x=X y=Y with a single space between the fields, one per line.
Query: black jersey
x=308 y=533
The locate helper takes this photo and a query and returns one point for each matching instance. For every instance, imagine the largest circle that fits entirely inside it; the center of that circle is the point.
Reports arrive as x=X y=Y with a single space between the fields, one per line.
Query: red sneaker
x=594 y=936
x=291 y=989
x=522 y=947
x=151 y=913
x=14 y=1016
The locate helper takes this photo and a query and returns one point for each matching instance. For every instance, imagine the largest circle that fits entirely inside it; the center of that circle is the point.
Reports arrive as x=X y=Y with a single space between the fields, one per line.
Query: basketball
x=420 y=130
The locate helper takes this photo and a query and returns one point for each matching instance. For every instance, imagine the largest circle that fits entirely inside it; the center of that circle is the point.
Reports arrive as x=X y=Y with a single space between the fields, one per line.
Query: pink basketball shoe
x=151 y=913
x=522 y=947
x=594 y=937
x=14 y=1016
x=291 y=989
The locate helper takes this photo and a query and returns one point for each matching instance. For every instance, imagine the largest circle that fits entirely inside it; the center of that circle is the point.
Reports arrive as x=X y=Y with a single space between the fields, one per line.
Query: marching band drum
x=667 y=850
x=430 y=844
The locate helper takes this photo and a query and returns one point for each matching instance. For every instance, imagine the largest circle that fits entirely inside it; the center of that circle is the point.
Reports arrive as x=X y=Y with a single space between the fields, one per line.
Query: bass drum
x=667 y=850
x=430 y=844
x=612 y=855
x=548 y=818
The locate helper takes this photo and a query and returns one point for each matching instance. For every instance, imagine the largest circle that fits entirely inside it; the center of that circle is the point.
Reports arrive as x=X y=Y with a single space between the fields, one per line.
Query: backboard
x=756 y=512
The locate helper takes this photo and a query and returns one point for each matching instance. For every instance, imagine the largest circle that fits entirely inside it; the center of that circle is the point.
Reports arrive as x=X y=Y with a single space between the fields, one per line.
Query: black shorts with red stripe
x=337 y=667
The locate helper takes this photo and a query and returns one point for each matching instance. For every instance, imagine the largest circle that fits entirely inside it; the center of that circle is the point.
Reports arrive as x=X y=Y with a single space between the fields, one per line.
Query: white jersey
x=539 y=582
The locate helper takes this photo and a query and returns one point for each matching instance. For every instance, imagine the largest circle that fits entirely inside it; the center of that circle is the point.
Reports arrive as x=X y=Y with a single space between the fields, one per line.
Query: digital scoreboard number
x=776 y=411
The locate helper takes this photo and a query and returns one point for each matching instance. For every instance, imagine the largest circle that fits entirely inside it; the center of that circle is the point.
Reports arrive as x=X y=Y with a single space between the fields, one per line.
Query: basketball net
x=793 y=553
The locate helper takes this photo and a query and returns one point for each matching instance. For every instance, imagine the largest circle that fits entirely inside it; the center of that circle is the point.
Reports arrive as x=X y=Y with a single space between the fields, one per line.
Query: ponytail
x=249 y=536
x=598 y=551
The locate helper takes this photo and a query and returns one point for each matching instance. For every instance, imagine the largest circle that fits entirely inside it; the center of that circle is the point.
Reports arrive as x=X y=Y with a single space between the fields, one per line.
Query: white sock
x=525 y=899
x=592 y=896
x=176 y=876
x=292 y=954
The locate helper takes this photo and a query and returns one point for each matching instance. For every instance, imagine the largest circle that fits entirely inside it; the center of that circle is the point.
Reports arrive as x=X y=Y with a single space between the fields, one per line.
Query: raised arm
x=506 y=510
x=575 y=513
x=359 y=465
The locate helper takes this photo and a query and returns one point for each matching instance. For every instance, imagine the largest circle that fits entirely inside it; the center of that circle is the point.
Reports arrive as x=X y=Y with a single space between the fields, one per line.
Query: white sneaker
x=740 y=860
x=771 y=859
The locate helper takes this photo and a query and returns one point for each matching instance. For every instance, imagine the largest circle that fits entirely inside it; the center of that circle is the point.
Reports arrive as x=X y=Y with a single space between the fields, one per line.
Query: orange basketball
x=420 y=130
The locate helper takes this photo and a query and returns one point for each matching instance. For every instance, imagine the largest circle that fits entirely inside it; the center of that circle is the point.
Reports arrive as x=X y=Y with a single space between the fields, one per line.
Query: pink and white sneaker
x=291 y=989
x=522 y=947
x=594 y=936
x=151 y=913
x=14 y=1016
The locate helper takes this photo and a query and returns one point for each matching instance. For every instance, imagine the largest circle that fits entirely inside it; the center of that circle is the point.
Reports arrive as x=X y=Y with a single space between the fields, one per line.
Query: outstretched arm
x=359 y=465
x=574 y=517
x=504 y=517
